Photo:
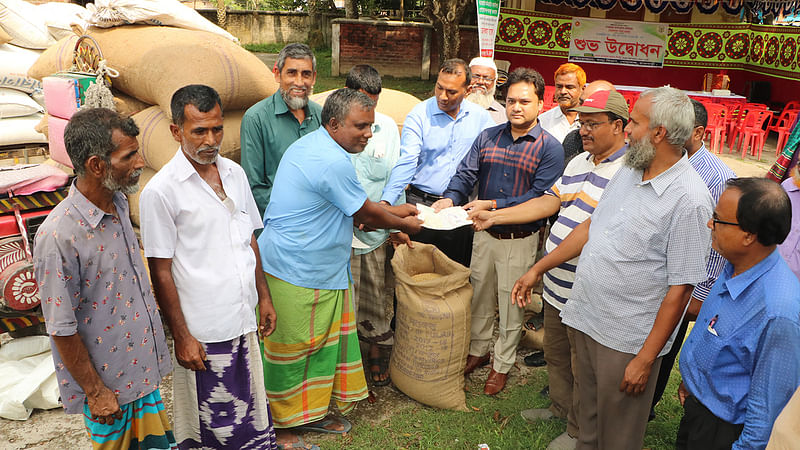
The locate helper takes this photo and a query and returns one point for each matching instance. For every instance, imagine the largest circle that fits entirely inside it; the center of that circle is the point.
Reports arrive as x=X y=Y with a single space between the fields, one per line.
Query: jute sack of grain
x=127 y=105
x=158 y=146
x=133 y=199
x=395 y=104
x=431 y=338
x=154 y=62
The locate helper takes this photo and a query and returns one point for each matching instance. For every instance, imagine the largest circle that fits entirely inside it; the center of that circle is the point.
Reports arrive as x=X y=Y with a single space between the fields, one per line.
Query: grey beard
x=640 y=154
x=295 y=103
x=129 y=189
x=204 y=162
x=482 y=99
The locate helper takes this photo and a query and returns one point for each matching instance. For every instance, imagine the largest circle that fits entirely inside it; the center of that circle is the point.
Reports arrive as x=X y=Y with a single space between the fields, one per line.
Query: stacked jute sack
x=26 y=30
x=155 y=61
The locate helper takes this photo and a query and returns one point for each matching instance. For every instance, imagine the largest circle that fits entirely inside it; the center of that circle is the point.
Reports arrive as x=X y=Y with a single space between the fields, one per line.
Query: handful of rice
x=425 y=276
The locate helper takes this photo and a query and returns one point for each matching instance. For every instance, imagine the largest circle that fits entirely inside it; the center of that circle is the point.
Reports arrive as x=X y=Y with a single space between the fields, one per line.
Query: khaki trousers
x=496 y=265
x=559 y=352
x=609 y=419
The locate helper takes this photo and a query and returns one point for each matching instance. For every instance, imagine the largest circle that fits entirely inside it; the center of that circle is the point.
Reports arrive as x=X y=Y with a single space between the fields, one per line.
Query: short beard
x=640 y=154
x=114 y=186
x=482 y=99
x=205 y=161
x=295 y=103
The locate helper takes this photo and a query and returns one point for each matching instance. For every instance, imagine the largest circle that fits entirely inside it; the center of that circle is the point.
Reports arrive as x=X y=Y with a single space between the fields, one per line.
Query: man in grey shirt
x=642 y=251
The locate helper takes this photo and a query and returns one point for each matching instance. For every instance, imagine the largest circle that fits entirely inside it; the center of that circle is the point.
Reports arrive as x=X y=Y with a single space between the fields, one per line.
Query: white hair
x=671 y=109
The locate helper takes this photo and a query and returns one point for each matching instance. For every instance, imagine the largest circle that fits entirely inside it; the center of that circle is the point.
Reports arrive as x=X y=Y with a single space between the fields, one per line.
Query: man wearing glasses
x=482 y=88
x=641 y=253
x=573 y=197
x=741 y=362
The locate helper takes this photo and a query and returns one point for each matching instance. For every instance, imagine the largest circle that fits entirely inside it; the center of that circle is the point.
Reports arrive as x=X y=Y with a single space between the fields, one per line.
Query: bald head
x=594 y=86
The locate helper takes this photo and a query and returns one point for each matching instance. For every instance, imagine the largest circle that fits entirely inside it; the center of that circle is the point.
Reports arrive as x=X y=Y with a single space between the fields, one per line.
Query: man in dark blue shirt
x=741 y=362
x=511 y=164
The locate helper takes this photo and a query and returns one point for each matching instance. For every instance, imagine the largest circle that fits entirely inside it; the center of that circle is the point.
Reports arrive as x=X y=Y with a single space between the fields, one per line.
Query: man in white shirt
x=569 y=81
x=482 y=87
x=198 y=218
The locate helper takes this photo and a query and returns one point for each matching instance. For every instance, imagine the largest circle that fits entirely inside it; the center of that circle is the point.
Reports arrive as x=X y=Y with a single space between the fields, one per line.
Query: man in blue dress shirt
x=437 y=134
x=741 y=362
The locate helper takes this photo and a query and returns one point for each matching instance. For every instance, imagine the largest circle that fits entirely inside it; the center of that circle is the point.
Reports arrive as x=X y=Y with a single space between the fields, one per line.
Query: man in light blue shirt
x=741 y=362
x=437 y=134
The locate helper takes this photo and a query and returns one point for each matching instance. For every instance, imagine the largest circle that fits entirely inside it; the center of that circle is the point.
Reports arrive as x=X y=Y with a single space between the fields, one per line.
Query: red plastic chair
x=716 y=128
x=792 y=106
x=630 y=97
x=549 y=98
x=783 y=126
x=737 y=113
x=753 y=133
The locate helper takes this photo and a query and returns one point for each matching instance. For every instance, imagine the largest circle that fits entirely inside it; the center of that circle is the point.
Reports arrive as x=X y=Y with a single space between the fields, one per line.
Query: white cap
x=483 y=61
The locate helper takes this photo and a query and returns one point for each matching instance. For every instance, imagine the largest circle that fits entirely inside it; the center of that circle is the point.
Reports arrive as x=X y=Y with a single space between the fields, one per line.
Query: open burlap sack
x=431 y=338
x=154 y=62
x=133 y=199
x=395 y=104
x=158 y=146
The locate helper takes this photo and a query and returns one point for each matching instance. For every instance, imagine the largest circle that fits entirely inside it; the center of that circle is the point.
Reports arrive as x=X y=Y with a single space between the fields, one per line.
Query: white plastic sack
x=111 y=13
x=24 y=24
x=59 y=17
x=14 y=103
x=14 y=64
x=21 y=130
x=27 y=377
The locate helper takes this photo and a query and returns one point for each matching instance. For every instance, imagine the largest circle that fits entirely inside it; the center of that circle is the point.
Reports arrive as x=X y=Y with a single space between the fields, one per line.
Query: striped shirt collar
x=534 y=132
x=614 y=156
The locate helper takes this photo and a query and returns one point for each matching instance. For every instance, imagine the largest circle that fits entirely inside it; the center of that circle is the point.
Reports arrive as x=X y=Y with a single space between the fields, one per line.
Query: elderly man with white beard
x=482 y=88
x=641 y=253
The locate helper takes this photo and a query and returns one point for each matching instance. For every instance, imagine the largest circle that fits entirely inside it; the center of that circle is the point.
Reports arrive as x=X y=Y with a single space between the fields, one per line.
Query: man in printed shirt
x=741 y=363
x=108 y=343
x=714 y=174
x=604 y=115
x=270 y=126
x=373 y=279
x=511 y=163
x=569 y=80
x=641 y=253
x=436 y=135
x=197 y=222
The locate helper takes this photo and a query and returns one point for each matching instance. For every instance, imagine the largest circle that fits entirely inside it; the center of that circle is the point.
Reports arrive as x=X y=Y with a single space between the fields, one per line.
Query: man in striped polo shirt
x=603 y=118
x=511 y=164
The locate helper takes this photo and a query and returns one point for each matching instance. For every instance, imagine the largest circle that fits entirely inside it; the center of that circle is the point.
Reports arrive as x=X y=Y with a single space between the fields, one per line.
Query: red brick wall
x=390 y=49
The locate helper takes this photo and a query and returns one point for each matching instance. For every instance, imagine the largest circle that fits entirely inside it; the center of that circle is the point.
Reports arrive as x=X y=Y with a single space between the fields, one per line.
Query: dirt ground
x=54 y=430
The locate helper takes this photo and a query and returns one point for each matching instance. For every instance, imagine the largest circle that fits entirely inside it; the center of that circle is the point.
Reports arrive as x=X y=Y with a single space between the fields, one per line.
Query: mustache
x=208 y=147
x=137 y=173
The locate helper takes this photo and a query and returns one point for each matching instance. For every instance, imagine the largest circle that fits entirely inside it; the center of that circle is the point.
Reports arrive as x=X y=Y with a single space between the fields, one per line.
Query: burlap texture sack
x=133 y=199
x=432 y=332
x=154 y=62
x=158 y=146
x=127 y=105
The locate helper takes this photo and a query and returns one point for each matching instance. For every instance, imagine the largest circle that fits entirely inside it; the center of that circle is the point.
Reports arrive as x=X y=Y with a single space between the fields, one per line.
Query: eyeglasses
x=715 y=221
x=483 y=78
x=590 y=125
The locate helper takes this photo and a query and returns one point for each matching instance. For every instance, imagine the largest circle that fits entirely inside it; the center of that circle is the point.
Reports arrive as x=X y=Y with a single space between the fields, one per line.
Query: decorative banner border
x=768 y=50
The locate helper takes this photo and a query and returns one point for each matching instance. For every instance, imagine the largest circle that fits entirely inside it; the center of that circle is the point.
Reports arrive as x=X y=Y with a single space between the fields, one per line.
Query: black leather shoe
x=535 y=359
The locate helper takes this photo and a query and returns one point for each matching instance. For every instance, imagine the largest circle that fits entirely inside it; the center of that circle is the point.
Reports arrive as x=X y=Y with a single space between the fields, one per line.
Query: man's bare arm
x=377 y=216
x=102 y=401
x=532 y=210
x=669 y=313
x=570 y=247
x=266 y=311
x=188 y=350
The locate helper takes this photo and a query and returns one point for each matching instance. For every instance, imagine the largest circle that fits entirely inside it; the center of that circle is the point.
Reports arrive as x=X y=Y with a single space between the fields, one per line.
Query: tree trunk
x=445 y=16
x=351 y=9
x=221 y=13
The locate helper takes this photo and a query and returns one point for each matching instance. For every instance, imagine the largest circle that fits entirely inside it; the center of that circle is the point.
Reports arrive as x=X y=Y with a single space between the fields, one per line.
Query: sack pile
x=155 y=61
x=26 y=30
x=395 y=104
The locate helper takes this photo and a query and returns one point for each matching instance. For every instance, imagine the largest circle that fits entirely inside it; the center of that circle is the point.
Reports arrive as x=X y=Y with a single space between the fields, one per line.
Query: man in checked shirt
x=511 y=163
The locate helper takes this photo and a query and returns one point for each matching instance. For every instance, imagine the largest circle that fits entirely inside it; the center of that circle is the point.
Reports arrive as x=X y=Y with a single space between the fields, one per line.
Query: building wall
x=268 y=27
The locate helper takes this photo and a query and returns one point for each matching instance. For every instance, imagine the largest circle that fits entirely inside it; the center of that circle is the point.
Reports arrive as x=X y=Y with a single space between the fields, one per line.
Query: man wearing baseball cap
x=574 y=196
x=482 y=87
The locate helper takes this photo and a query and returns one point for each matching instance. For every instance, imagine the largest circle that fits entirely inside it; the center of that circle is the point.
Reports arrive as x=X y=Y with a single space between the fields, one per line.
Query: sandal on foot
x=319 y=426
x=535 y=322
x=382 y=363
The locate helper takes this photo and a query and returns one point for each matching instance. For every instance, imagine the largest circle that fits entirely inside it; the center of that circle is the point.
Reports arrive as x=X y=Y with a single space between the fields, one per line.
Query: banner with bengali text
x=621 y=42
x=488 y=12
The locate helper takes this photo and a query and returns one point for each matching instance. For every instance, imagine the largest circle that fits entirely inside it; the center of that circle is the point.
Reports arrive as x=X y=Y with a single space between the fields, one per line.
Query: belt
x=424 y=195
x=517 y=235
